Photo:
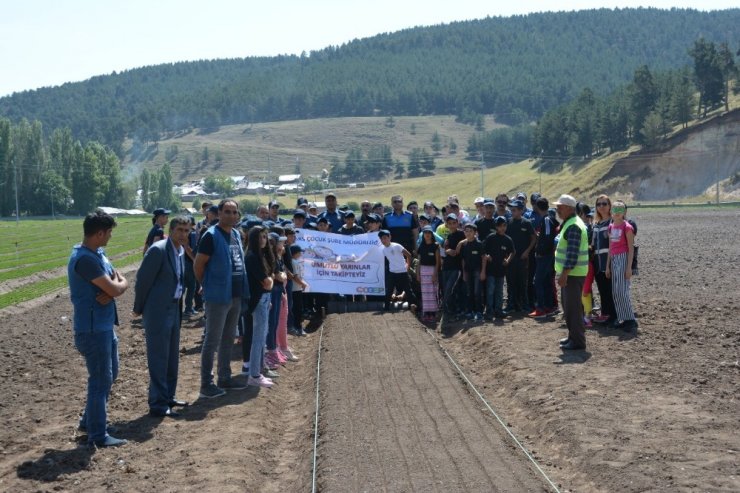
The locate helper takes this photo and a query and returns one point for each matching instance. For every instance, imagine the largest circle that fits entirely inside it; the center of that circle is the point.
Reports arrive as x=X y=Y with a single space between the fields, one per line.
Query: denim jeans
x=494 y=295
x=450 y=278
x=100 y=350
x=543 y=277
x=276 y=299
x=221 y=320
x=260 y=320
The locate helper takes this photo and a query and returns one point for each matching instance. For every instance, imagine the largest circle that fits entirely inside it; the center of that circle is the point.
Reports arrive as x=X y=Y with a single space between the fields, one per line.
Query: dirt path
x=396 y=418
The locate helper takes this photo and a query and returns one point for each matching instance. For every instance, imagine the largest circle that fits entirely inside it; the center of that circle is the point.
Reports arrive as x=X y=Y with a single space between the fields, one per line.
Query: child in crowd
x=283 y=351
x=471 y=250
x=619 y=265
x=398 y=270
x=429 y=264
x=296 y=251
x=544 y=260
x=499 y=250
x=452 y=268
x=274 y=358
x=584 y=212
x=259 y=264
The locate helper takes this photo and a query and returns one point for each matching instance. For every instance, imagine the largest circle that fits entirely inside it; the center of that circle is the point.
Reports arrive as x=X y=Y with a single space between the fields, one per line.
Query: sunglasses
x=602 y=204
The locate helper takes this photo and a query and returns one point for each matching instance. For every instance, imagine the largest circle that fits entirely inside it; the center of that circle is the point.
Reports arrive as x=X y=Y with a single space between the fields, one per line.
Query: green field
x=34 y=246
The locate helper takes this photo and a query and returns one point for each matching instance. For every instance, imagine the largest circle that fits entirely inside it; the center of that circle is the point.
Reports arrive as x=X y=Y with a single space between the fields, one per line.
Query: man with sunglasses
x=502 y=204
x=274 y=213
x=219 y=266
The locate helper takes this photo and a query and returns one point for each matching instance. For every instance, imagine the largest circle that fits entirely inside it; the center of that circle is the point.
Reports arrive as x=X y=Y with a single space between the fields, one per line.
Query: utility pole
x=482 y=164
x=716 y=146
x=17 y=206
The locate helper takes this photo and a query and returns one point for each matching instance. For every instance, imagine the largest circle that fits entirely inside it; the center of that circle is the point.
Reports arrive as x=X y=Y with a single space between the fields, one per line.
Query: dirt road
x=396 y=418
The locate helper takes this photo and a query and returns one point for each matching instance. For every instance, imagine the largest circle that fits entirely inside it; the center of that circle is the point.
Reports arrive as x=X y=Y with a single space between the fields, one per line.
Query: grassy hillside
x=275 y=148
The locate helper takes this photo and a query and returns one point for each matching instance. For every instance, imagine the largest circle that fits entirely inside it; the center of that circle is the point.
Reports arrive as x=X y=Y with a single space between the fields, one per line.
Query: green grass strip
x=41 y=288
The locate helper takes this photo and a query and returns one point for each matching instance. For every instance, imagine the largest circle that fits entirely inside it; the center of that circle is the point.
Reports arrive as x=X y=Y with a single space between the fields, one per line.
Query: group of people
x=245 y=274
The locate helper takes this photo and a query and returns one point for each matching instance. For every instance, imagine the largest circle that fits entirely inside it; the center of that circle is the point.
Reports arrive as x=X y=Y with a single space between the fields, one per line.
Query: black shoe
x=564 y=341
x=176 y=403
x=571 y=346
x=169 y=413
x=502 y=314
x=237 y=382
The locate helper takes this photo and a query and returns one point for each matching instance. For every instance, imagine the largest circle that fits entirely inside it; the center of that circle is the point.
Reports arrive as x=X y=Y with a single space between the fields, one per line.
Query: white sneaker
x=261 y=381
x=288 y=353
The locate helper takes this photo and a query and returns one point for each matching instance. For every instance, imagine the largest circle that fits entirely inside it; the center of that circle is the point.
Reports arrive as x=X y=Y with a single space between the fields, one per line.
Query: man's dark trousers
x=573 y=310
x=163 y=356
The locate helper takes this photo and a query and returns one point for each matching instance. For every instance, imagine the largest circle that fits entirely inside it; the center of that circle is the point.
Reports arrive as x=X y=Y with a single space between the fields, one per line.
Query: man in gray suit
x=159 y=288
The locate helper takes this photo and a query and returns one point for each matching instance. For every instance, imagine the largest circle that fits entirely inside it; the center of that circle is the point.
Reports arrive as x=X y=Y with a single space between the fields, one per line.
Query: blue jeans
x=494 y=295
x=221 y=321
x=276 y=300
x=543 y=278
x=260 y=320
x=100 y=350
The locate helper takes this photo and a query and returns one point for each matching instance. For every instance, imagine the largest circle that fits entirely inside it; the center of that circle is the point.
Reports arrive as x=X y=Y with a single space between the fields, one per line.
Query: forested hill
x=514 y=67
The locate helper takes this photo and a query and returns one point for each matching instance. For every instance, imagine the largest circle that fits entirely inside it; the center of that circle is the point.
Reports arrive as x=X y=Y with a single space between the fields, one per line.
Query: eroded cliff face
x=687 y=165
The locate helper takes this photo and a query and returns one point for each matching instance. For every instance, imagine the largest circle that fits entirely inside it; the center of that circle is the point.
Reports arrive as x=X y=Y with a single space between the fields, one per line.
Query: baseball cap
x=479 y=200
x=213 y=209
x=383 y=232
x=566 y=199
x=489 y=202
x=301 y=201
x=349 y=214
x=452 y=217
x=372 y=218
x=330 y=194
x=471 y=226
x=163 y=212
x=277 y=237
x=299 y=213
x=427 y=228
x=322 y=220
x=499 y=220
x=517 y=203
x=295 y=249
x=521 y=196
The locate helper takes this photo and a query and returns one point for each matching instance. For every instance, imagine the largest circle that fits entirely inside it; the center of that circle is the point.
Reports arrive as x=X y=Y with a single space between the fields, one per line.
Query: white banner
x=339 y=264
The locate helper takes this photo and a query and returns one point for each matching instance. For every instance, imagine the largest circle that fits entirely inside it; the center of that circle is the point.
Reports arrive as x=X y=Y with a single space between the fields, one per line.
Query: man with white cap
x=571 y=267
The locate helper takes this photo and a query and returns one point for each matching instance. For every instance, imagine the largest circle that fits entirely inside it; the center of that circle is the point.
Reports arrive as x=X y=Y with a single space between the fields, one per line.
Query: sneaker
x=110 y=441
x=211 y=391
x=289 y=354
x=601 y=319
x=233 y=383
x=270 y=374
x=261 y=381
x=537 y=313
x=271 y=360
x=587 y=323
x=281 y=358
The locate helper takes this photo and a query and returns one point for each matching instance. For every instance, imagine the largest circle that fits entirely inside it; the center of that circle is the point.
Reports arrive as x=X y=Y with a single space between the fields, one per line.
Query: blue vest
x=89 y=315
x=217 y=276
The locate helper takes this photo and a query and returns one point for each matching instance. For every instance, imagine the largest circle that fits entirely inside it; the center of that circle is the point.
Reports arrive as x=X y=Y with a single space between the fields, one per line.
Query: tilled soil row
x=394 y=416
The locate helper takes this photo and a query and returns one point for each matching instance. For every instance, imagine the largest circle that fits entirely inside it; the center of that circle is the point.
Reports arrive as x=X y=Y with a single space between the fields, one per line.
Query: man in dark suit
x=159 y=288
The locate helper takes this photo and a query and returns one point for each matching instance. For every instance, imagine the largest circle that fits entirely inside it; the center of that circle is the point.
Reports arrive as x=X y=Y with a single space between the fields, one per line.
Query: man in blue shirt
x=333 y=216
x=403 y=225
x=93 y=285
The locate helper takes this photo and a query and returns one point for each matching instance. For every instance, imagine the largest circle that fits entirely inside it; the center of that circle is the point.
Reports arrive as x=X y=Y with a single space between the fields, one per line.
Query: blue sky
x=49 y=42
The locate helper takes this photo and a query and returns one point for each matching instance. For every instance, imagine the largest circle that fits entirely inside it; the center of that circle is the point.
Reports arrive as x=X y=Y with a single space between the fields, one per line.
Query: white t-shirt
x=298 y=271
x=396 y=260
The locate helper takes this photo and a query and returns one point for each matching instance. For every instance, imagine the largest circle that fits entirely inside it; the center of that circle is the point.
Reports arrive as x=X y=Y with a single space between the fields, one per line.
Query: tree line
x=515 y=68
x=641 y=112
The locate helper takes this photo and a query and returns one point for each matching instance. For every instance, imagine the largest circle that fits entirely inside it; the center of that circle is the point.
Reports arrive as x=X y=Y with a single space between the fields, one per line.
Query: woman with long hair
x=619 y=265
x=259 y=265
x=600 y=244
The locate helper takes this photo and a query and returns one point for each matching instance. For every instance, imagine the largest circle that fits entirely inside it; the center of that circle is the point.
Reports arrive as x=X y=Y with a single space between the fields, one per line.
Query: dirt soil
x=396 y=418
x=655 y=412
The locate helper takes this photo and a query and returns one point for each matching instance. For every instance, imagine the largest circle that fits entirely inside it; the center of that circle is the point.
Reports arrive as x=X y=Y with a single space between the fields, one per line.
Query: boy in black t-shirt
x=471 y=250
x=499 y=251
x=451 y=268
x=522 y=233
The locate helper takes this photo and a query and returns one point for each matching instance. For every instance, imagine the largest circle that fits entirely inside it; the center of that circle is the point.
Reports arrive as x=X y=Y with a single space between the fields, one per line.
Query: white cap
x=479 y=200
x=566 y=200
